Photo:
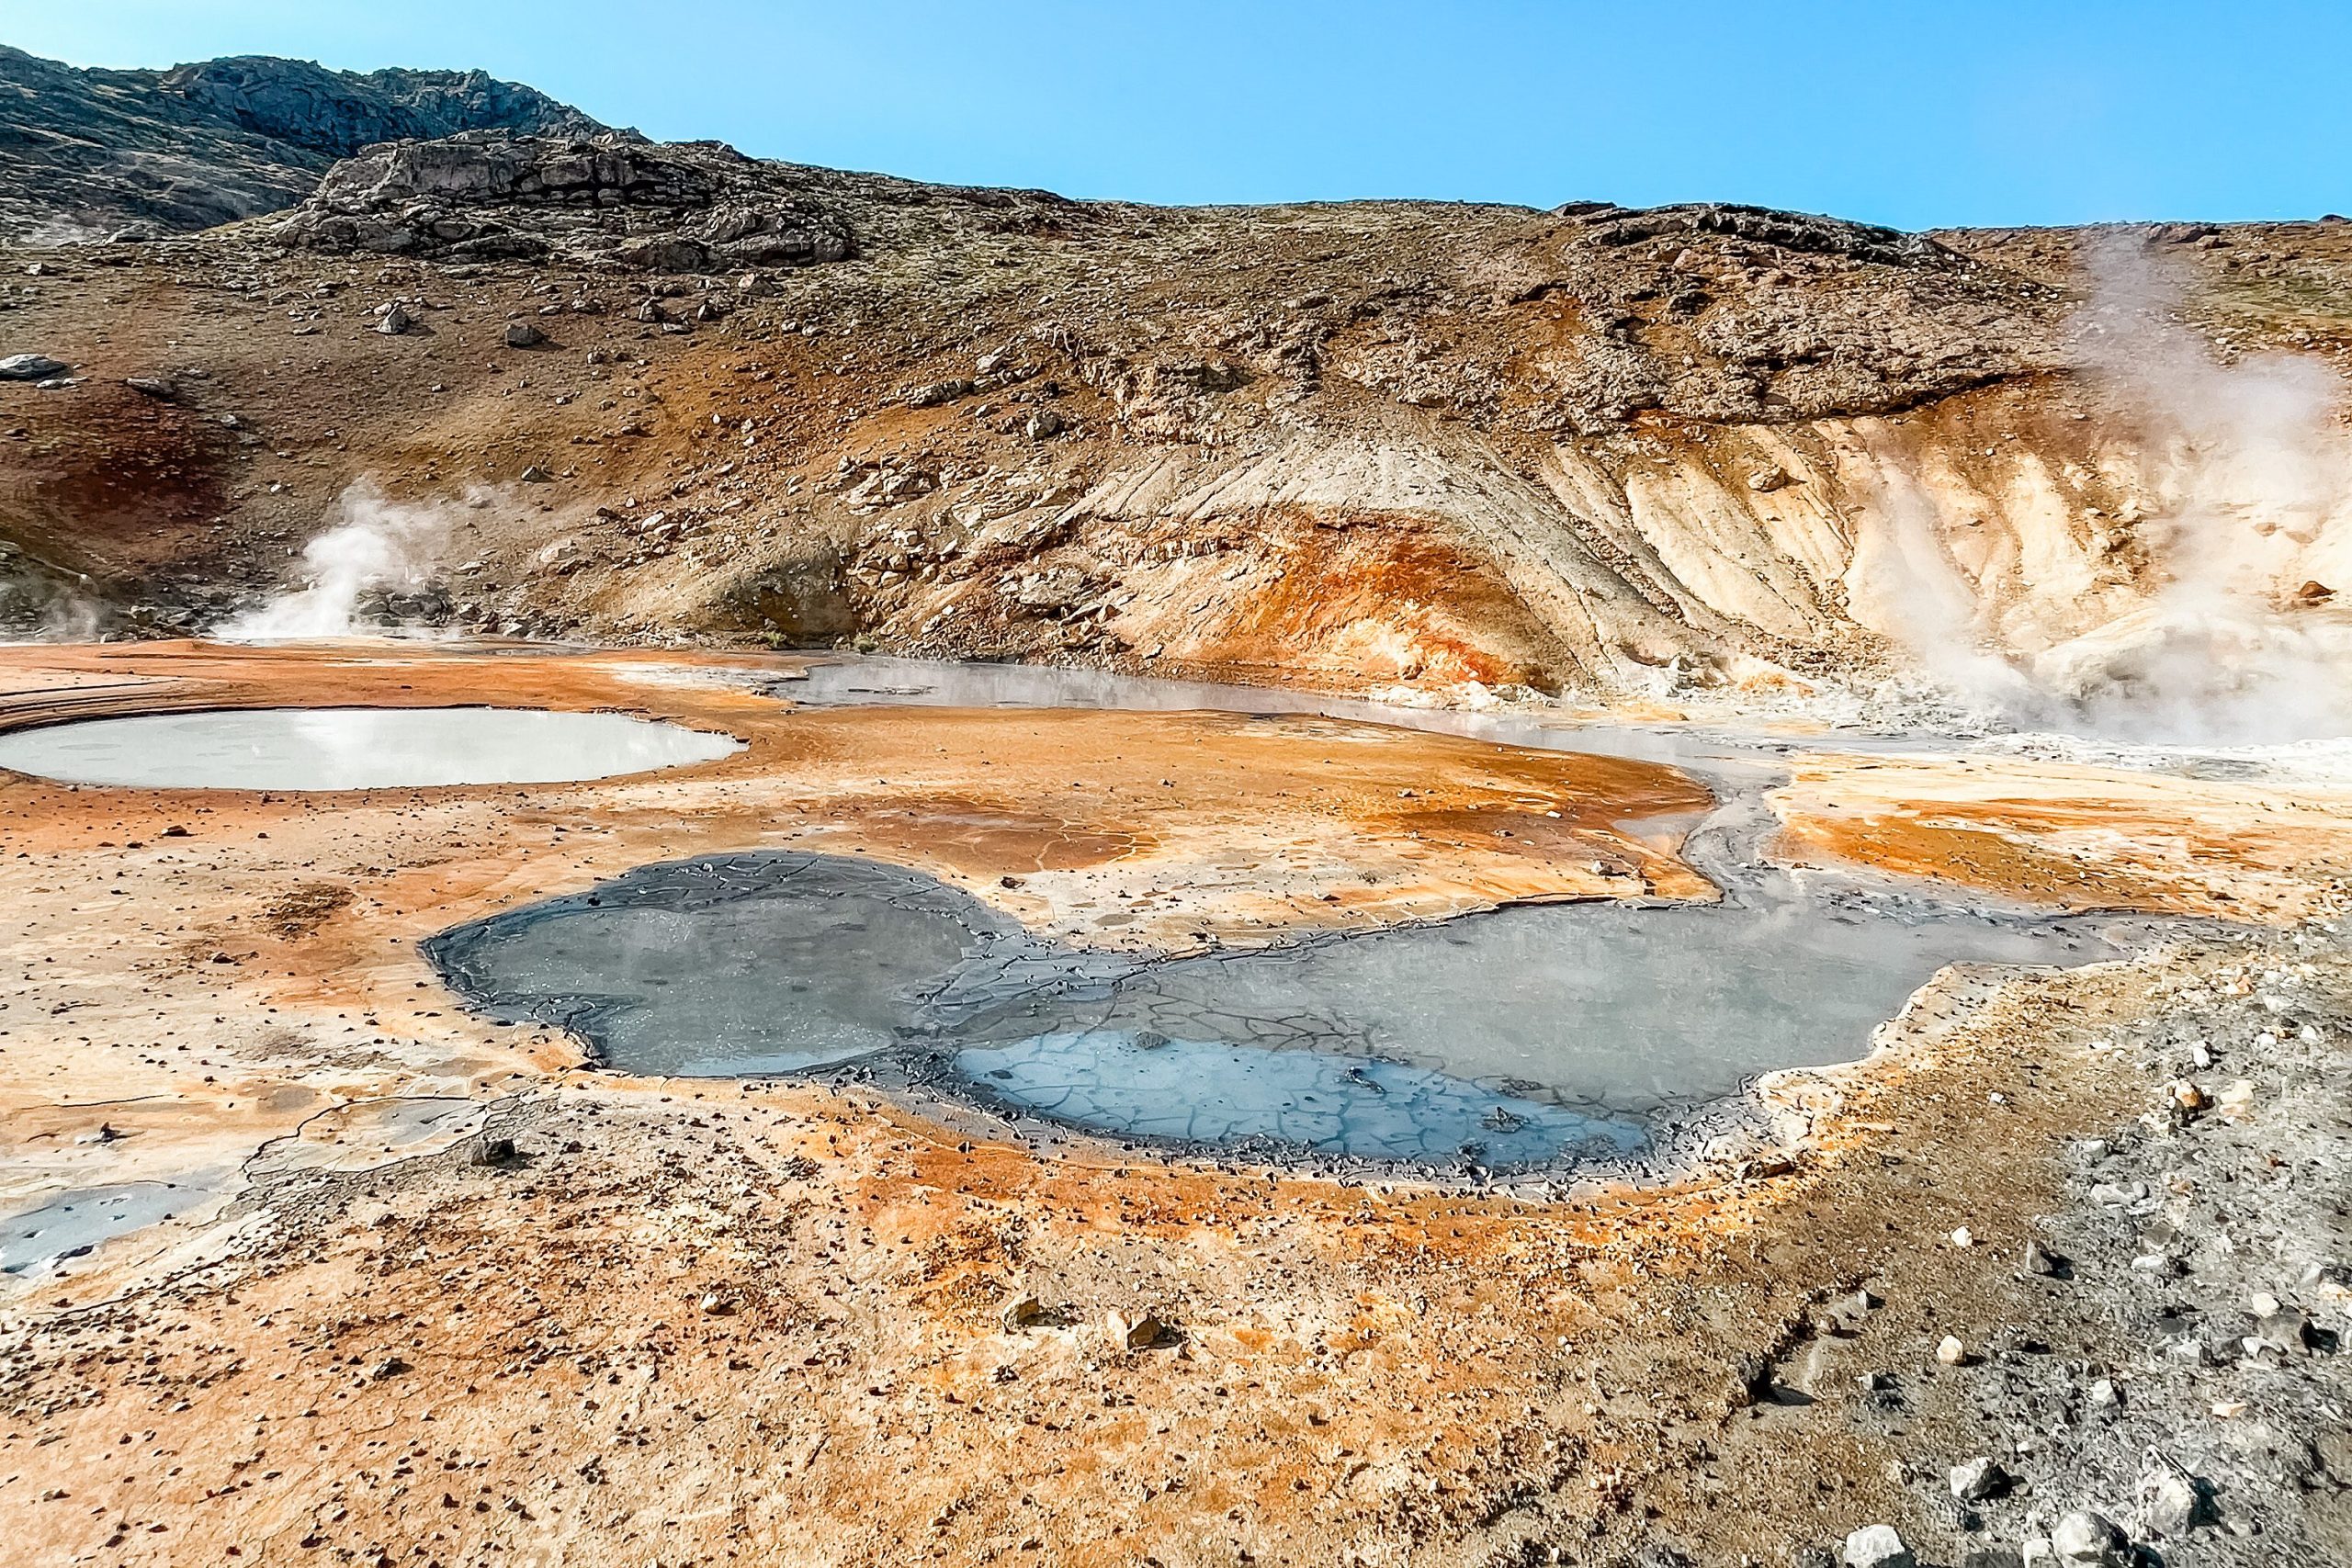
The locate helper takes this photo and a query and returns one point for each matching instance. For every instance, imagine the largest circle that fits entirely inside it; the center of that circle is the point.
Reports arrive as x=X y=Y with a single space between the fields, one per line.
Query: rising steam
x=376 y=548
x=2244 y=494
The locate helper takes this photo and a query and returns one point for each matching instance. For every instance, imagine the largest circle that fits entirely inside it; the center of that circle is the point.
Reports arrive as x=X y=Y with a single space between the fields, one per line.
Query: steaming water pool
x=328 y=748
x=1519 y=1038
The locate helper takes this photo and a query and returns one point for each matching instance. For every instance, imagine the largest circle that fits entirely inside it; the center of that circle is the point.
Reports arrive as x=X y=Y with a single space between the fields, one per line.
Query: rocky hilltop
x=93 y=151
x=667 y=393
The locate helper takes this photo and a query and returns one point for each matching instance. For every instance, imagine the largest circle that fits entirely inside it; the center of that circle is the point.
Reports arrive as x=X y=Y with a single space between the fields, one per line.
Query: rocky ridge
x=1431 y=449
x=97 y=151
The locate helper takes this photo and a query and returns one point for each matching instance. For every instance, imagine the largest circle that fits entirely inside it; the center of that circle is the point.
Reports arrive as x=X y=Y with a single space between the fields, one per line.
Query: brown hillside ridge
x=667 y=393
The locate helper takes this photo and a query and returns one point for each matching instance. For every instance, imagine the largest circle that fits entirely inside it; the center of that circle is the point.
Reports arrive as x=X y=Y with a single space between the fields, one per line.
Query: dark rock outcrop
x=88 y=153
x=688 y=206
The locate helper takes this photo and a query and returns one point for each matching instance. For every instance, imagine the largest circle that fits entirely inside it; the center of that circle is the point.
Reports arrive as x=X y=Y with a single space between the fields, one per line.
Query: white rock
x=1877 y=1546
x=2084 y=1539
x=1977 y=1479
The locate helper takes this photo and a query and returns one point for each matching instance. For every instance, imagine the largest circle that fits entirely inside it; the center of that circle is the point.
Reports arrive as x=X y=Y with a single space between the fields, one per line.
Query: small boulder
x=1979 y=1479
x=1021 y=1311
x=157 y=386
x=30 y=366
x=2170 y=1501
x=1877 y=1546
x=1951 y=1351
x=523 y=334
x=2289 y=1328
x=489 y=1152
x=394 y=322
x=2040 y=1259
x=2086 y=1540
x=938 y=392
x=1134 y=1331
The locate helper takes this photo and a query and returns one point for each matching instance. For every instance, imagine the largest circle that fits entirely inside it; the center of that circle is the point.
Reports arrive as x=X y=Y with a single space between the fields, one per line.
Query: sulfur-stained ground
x=705 y=1321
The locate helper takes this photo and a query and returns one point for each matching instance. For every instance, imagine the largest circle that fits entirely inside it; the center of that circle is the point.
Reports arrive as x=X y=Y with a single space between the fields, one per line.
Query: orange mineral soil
x=717 y=1323
x=2077 y=837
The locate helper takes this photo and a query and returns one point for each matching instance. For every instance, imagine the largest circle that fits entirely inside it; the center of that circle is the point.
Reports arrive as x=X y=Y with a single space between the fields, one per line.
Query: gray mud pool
x=1544 y=1037
x=39 y=1239
x=331 y=749
x=1521 y=1038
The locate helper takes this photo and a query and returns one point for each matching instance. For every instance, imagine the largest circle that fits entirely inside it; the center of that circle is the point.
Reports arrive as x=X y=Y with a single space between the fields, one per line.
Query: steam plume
x=2244 y=492
x=376 y=545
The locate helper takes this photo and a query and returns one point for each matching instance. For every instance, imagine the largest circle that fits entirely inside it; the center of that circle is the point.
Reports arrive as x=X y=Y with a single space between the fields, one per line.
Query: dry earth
x=703 y=1322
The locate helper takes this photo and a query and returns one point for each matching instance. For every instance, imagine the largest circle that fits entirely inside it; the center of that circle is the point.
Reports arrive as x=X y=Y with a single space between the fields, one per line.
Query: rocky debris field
x=615 y=199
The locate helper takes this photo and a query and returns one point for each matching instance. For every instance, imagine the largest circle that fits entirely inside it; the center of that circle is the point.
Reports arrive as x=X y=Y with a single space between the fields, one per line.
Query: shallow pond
x=1521 y=1037
x=329 y=749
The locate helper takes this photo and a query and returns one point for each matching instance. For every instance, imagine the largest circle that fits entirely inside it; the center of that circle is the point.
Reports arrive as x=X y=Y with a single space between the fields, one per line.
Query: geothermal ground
x=310 y=1260
x=1739 y=948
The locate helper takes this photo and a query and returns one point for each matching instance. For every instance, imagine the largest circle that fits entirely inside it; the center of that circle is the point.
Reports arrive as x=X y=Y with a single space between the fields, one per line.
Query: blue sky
x=1912 y=114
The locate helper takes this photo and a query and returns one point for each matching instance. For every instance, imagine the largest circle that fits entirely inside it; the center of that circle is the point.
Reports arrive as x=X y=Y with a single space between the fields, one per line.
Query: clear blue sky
x=1912 y=114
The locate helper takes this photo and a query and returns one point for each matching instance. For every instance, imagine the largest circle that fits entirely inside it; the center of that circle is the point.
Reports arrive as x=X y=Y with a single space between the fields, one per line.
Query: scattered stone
x=1963 y=1236
x=716 y=1303
x=489 y=1152
x=155 y=386
x=1877 y=1546
x=523 y=334
x=2086 y=1540
x=1043 y=426
x=2040 y=1260
x=1951 y=1351
x=1020 y=1312
x=1976 y=1480
x=1766 y=480
x=2170 y=1501
x=394 y=322
x=536 y=475
x=2289 y=1328
x=1136 y=1331
x=30 y=366
x=2237 y=1100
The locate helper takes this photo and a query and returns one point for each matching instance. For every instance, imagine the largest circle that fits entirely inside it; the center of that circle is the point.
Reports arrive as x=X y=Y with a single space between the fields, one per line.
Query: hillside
x=667 y=393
